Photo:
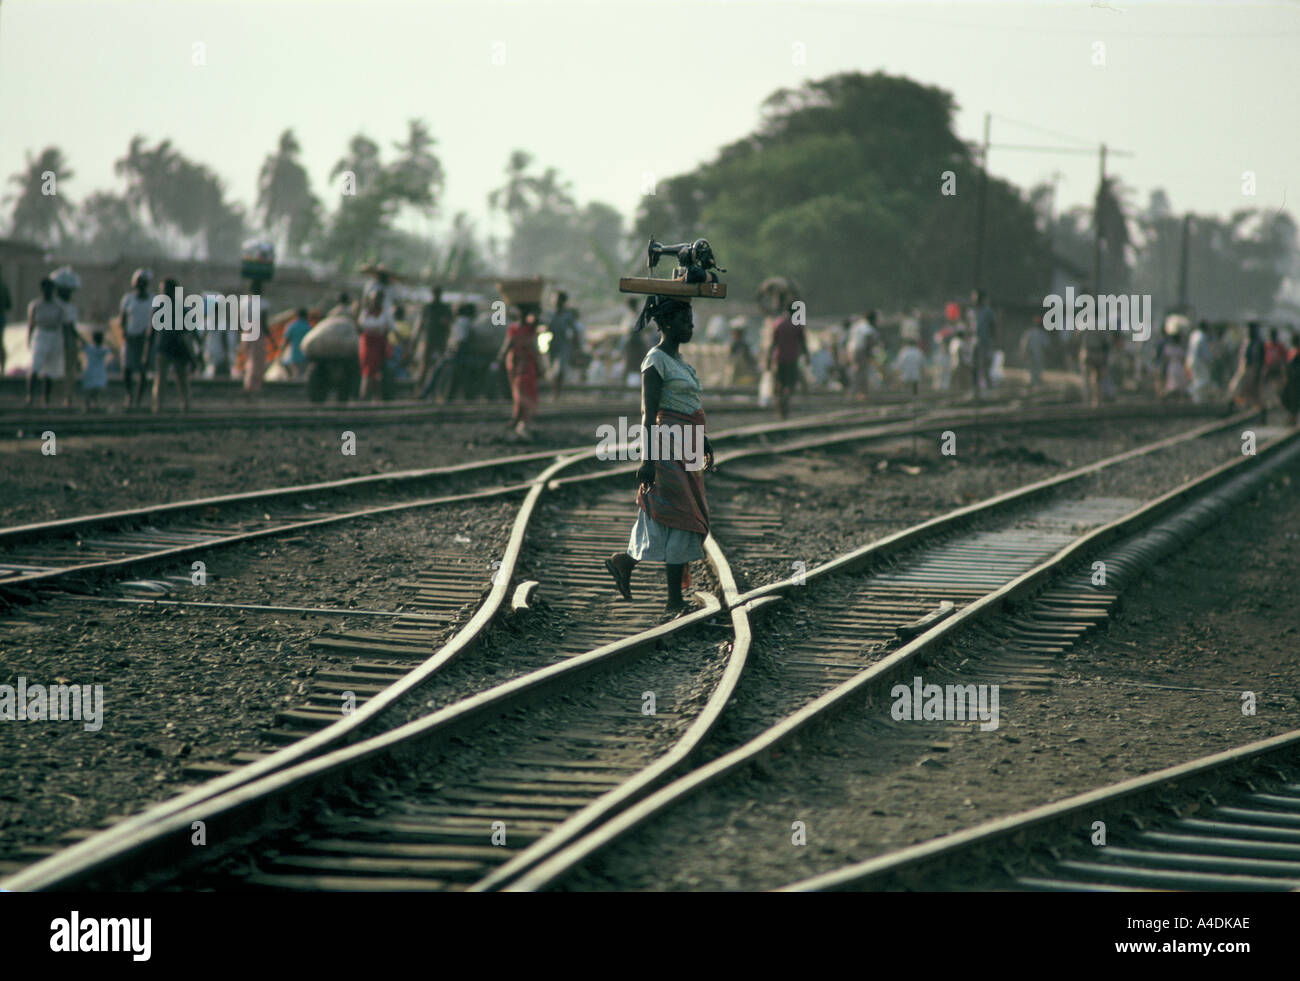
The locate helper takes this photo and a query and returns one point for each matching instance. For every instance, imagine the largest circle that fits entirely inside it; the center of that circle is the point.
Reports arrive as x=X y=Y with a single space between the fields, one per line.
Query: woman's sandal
x=671 y=612
x=623 y=580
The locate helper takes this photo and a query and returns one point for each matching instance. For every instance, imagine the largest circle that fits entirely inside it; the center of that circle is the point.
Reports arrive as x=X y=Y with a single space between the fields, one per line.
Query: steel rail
x=347 y=727
x=637 y=787
x=344 y=730
x=293 y=414
x=1057 y=813
x=20 y=584
x=84 y=522
x=253 y=805
x=880 y=674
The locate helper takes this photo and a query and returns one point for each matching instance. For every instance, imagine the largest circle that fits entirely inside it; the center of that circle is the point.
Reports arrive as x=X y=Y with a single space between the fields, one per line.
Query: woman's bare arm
x=652 y=386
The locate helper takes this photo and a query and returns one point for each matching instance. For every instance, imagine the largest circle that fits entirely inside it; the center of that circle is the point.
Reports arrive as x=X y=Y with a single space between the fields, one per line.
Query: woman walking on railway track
x=66 y=282
x=1245 y=388
x=45 y=338
x=673 y=516
x=376 y=322
x=519 y=351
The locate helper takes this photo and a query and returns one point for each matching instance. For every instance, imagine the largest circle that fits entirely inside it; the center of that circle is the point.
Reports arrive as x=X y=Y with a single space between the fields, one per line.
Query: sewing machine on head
x=696 y=273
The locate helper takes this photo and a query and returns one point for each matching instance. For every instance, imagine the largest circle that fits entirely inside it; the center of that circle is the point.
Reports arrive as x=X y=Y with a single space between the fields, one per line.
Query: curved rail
x=879 y=675
x=341 y=731
x=122 y=836
x=128 y=854
x=633 y=789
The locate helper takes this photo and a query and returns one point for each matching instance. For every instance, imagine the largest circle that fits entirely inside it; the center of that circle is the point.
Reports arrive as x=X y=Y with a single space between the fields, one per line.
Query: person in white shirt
x=45 y=338
x=1200 y=363
x=137 y=319
x=908 y=364
x=942 y=364
x=376 y=323
x=65 y=283
x=960 y=352
x=862 y=339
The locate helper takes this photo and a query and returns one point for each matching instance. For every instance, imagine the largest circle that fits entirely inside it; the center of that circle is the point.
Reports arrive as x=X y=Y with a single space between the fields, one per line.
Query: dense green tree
x=840 y=186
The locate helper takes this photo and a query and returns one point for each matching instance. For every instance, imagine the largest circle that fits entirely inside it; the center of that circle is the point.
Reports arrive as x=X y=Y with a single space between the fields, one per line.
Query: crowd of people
x=965 y=352
x=56 y=348
x=854 y=357
x=63 y=362
x=450 y=351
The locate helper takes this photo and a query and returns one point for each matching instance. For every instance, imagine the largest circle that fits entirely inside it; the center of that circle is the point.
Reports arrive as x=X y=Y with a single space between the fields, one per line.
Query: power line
x=1087 y=151
x=1091 y=31
x=1045 y=130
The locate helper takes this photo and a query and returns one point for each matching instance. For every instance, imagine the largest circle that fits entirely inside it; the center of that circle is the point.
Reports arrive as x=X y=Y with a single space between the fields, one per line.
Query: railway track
x=579 y=617
x=31 y=422
x=75 y=552
x=240 y=802
x=1044 y=602
x=71 y=552
x=1227 y=822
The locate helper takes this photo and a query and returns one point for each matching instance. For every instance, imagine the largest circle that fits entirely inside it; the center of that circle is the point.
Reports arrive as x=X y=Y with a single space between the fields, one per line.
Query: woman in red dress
x=520 y=354
x=375 y=323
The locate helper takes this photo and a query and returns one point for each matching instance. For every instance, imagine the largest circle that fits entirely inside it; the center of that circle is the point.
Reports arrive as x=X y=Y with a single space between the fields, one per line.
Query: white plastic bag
x=766 y=390
x=333 y=337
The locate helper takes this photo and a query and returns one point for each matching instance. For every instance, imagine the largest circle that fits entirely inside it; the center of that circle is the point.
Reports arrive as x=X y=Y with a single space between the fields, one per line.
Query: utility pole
x=1096 y=227
x=1104 y=151
x=980 y=206
x=1182 y=263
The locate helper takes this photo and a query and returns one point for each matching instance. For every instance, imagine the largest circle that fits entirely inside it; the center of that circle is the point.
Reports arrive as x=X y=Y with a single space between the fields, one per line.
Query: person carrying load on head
x=376 y=322
x=45 y=338
x=66 y=282
x=673 y=513
x=519 y=352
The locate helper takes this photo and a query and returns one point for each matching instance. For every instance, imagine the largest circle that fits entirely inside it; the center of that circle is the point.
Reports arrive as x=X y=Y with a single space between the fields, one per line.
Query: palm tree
x=512 y=197
x=416 y=176
x=147 y=172
x=362 y=161
x=39 y=214
x=284 y=198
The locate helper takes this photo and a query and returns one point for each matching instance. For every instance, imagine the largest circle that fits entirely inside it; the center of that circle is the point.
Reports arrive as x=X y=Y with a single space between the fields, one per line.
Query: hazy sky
x=608 y=91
